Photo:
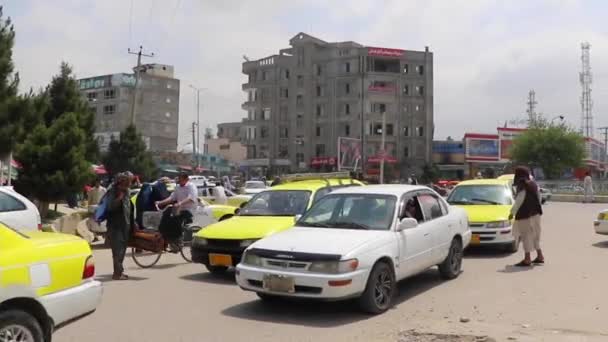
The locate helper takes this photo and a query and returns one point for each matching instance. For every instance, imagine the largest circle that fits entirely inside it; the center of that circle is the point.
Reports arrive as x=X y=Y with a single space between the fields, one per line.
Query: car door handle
x=427 y=234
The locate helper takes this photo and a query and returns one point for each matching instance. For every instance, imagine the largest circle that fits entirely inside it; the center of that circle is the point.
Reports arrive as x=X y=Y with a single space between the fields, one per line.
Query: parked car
x=221 y=245
x=488 y=204
x=601 y=223
x=235 y=200
x=46 y=280
x=545 y=195
x=17 y=211
x=358 y=242
x=254 y=187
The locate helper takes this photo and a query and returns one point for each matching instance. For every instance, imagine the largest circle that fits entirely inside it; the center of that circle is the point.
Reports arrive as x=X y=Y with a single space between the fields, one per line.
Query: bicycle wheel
x=145 y=259
x=186 y=243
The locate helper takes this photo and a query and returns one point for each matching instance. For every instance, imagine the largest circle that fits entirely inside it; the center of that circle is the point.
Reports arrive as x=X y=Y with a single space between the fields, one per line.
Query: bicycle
x=147 y=259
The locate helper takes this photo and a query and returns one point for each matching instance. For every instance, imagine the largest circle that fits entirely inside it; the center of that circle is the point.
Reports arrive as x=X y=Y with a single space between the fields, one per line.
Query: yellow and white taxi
x=46 y=279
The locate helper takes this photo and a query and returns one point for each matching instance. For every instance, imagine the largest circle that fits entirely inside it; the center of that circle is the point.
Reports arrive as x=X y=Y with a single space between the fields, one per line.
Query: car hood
x=318 y=240
x=246 y=227
x=486 y=213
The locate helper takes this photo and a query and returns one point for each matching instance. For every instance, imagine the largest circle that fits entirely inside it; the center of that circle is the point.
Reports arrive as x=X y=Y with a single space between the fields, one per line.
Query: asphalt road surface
x=564 y=300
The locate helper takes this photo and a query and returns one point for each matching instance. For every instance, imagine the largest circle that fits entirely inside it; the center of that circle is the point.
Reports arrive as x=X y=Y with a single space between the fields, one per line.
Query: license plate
x=475 y=239
x=220 y=260
x=278 y=283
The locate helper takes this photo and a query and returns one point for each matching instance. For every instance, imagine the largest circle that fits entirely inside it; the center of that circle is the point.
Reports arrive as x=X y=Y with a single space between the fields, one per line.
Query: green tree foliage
x=9 y=83
x=554 y=148
x=430 y=174
x=64 y=97
x=129 y=154
x=53 y=161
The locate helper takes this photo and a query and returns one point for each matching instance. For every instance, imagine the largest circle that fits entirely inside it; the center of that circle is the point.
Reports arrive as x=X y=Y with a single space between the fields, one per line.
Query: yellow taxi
x=46 y=279
x=221 y=245
x=488 y=205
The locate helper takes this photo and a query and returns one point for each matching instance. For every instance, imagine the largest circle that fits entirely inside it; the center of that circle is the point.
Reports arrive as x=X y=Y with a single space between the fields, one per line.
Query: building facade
x=300 y=101
x=232 y=151
x=232 y=131
x=156 y=107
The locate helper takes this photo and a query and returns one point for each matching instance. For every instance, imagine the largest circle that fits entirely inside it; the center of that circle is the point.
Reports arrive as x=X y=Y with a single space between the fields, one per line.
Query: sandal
x=538 y=261
x=120 y=277
x=523 y=263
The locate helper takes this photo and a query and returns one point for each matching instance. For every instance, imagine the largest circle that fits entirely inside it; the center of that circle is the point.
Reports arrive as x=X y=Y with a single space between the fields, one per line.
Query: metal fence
x=573 y=187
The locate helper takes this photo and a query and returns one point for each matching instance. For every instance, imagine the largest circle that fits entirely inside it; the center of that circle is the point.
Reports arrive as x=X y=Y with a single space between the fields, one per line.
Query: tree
x=53 y=161
x=430 y=174
x=129 y=154
x=554 y=148
x=9 y=83
x=64 y=97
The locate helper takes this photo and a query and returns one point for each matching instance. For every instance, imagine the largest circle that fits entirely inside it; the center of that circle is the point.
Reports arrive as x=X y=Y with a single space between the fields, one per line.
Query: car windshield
x=480 y=195
x=277 y=203
x=351 y=211
x=255 y=185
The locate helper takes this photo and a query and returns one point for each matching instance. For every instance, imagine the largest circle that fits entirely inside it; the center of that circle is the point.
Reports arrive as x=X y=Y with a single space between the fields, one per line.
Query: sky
x=487 y=54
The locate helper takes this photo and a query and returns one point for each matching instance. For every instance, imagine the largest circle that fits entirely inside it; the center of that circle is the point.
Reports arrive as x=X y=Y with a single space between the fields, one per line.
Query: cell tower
x=531 y=107
x=586 y=78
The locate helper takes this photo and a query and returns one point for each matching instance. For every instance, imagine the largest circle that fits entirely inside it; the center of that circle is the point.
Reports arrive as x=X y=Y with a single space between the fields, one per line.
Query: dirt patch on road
x=414 y=336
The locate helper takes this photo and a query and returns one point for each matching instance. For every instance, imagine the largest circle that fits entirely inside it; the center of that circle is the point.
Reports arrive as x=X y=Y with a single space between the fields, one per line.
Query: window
x=110 y=109
x=168 y=100
x=347 y=108
x=406 y=131
x=300 y=53
x=264 y=75
x=10 y=203
x=251 y=134
x=420 y=131
x=284 y=93
x=284 y=132
x=283 y=151
x=378 y=107
x=319 y=91
x=318 y=131
x=299 y=100
x=286 y=74
x=347 y=130
x=300 y=81
x=319 y=70
x=420 y=90
x=347 y=88
x=299 y=120
x=405 y=108
x=299 y=157
x=167 y=114
x=347 y=67
x=384 y=65
x=343 y=52
x=255 y=95
x=418 y=108
x=109 y=94
x=430 y=206
x=405 y=68
x=92 y=96
x=406 y=152
x=420 y=69
x=389 y=129
x=251 y=114
x=406 y=89
x=169 y=85
x=319 y=110
x=319 y=150
x=264 y=132
x=266 y=114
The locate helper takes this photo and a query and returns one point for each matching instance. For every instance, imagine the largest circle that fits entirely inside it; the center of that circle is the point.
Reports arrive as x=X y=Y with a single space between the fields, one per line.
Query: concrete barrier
x=576 y=198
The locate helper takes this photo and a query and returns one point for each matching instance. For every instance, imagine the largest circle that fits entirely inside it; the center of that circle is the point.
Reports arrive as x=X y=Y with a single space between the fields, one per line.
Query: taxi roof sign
x=295 y=177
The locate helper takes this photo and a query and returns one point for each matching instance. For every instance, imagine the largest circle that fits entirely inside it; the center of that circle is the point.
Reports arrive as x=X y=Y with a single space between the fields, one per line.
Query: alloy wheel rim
x=16 y=333
x=383 y=289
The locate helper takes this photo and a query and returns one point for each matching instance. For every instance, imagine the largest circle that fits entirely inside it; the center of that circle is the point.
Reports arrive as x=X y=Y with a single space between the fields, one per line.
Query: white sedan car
x=254 y=187
x=601 y=223
x=357 y=242
x=17 y=211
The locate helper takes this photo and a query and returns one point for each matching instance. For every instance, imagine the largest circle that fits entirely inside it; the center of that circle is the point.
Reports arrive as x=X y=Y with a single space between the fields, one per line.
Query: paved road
x=564 y=300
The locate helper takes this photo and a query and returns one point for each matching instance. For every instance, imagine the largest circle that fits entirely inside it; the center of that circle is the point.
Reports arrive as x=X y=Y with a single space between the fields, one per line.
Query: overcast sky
x=488 y=54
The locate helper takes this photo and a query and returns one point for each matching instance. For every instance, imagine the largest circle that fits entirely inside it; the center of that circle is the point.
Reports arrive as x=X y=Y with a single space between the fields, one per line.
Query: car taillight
x=40 y=226
x=89 y=268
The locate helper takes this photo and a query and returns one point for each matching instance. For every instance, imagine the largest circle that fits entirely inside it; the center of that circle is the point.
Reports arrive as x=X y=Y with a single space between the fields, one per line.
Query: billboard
x=506 y=136
x=448 y=152
x=349 y=156
x=483 y=147
x=384 y=52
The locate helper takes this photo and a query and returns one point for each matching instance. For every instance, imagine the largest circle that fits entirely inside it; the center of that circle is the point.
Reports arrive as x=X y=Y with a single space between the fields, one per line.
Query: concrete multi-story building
x=156 y=106
x=301 y=100
x=232 y=131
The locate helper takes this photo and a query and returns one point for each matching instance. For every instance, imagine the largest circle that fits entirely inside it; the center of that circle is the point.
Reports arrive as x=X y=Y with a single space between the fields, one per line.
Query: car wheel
x=513 y=247
x=217 y=270
x=225 y=217
x=378 y=294
x=17 y=325
x=450 y=267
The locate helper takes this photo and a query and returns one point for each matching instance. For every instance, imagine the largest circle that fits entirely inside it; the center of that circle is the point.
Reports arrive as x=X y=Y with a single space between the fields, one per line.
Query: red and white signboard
x=384 y=52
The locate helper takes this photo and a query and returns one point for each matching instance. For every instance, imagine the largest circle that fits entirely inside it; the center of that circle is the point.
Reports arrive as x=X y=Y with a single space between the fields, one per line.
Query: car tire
x=379 y=291
x=513 y=247
x=225 y=217
x=216 y=270
x=17 y=320
x=450 y=267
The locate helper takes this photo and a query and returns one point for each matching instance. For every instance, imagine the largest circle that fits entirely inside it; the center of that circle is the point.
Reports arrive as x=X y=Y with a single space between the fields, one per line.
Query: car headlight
x=334 y=267
x=247 y=243
x=199 y=241
x=601 y=216
x=499 y=224
x=252 y=259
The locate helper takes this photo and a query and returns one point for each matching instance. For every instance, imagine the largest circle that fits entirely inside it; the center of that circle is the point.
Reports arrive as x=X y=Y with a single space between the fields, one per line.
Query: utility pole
x=586 y=78
x=137 y=70
x=194 y=156
x=198 y=116
x=531 y=111
x=383 y=148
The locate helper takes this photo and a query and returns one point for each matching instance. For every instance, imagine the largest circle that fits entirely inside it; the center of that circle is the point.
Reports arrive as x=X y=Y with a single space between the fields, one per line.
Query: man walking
x=120 y=222
x=588 y=186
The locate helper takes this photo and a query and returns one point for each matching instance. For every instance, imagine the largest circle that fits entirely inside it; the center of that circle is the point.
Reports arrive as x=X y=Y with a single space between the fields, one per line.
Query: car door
x=414 y=243
x=438 y=224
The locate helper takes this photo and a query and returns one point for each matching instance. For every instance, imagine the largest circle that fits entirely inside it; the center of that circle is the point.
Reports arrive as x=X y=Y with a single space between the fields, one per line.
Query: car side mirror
x=407 y=223
x=297 y=218
x=237 y=211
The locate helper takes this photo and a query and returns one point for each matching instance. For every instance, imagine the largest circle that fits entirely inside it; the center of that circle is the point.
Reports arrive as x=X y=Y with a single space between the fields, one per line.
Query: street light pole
x=383 y=148
x=198 y=120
